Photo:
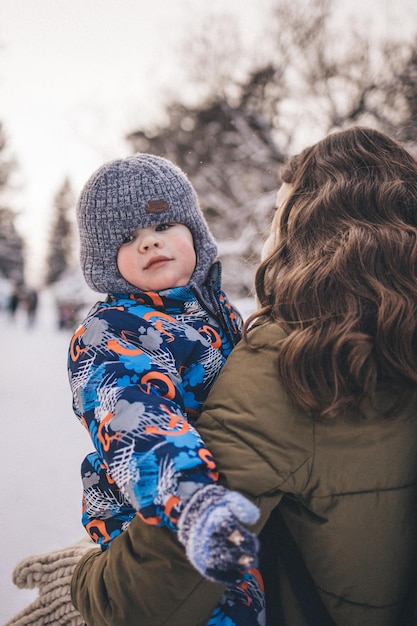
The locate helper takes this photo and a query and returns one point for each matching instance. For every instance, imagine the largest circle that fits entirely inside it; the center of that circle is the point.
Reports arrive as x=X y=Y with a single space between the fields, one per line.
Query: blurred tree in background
x=61 y=240
x=312 y=75
x=11 y=243
x=11 y=248
x=231 y=157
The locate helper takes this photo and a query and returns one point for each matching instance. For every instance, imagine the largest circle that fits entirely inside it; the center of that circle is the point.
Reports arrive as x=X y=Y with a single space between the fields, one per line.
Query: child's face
x=283 y=194
x=158 y=257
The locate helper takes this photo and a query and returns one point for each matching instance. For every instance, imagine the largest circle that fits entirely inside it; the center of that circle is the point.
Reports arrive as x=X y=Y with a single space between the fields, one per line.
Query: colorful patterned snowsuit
x=140 y=369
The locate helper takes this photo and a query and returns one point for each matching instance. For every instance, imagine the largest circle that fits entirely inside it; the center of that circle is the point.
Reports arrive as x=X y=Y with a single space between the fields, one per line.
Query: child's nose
x=150 y=240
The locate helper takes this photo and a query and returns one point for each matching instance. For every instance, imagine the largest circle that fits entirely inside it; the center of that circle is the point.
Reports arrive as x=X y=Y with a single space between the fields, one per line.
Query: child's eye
x=161 y=227
x=129 y=238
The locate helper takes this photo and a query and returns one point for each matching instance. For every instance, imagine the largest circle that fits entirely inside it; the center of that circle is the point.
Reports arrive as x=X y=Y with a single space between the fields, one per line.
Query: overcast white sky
x=76 y=75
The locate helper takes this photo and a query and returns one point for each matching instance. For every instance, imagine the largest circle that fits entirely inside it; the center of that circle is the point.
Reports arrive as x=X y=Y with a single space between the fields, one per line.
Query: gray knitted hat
x=127 y=194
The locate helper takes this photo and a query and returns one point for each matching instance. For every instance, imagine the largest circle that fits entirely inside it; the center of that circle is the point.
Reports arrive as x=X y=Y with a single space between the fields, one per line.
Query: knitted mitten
x=52 y=573
x=216 y=543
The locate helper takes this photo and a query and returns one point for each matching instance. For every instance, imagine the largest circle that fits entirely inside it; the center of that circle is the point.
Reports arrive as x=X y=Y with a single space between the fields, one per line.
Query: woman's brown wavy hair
x=342 y=280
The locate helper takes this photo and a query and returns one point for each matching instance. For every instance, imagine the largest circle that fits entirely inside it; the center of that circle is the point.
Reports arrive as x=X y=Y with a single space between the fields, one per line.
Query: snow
x=43 y=446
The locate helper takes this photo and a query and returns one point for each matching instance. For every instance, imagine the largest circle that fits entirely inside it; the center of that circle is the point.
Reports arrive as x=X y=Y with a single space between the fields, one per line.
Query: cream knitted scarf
x=51 y=573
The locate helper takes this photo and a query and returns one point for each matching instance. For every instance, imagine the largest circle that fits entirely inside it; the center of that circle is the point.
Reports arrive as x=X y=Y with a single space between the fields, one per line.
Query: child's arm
x=128 y=392
x=132 y=401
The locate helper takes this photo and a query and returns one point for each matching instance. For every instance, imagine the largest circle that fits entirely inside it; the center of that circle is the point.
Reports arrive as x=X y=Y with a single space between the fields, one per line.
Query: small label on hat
x=157 y=206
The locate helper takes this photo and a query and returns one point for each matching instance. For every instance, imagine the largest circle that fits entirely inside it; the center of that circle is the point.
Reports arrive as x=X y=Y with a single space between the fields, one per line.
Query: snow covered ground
x=43 y=446
x=41 y=451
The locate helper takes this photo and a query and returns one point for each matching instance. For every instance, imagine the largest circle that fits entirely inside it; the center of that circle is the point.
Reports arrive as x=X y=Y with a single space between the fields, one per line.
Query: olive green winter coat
x=347 y=489
x=143 y=579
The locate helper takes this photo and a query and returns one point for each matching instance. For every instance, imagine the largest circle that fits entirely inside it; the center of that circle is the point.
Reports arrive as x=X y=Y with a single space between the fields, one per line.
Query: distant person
x=31 y=300
x=14 y=301
x=67 y=314
x=141 y=365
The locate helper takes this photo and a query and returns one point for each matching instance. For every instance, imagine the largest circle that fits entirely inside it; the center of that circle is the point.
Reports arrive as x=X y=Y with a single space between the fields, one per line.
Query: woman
x=317 y=409
x=314 y=413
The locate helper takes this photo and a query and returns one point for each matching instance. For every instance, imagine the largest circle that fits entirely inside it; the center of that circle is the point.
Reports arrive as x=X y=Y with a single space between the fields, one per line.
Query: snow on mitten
x=215 y=541
x=52 y=573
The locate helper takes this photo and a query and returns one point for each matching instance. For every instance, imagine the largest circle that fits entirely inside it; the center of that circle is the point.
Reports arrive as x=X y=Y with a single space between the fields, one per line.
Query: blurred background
x=227 y=89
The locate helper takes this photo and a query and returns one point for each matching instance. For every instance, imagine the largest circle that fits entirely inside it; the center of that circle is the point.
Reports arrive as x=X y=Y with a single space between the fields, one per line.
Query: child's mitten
x=52 y=573
x=216 y=543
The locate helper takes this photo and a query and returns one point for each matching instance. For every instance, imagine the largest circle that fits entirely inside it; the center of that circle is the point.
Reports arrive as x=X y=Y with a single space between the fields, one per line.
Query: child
x=142 y=363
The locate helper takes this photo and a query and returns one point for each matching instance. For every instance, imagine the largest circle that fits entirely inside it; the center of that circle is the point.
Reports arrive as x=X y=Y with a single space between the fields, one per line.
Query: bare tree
x=231 y=157
x=396 y=109
x=11 y=242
